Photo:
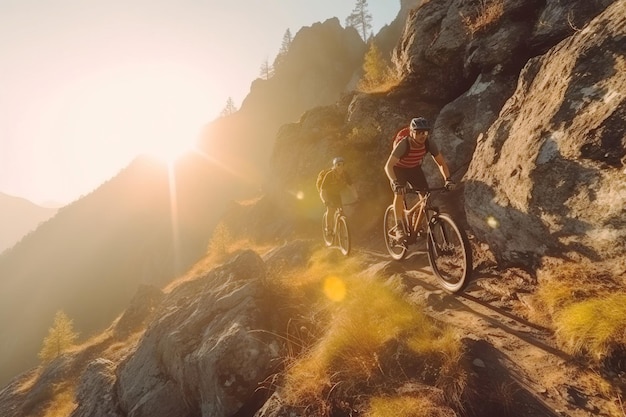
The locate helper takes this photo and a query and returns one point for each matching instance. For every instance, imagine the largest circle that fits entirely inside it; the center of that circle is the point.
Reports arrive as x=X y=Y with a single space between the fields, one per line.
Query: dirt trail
x=517 y=360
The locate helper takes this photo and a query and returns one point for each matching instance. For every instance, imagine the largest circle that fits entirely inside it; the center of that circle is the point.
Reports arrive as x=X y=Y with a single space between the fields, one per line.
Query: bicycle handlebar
x=425 y=190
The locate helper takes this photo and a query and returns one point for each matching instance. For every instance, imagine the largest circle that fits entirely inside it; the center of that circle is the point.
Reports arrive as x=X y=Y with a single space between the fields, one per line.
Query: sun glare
x=154 y=110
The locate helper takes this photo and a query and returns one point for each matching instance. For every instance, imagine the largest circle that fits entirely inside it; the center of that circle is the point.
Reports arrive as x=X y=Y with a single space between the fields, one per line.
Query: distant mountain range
x=18 y=217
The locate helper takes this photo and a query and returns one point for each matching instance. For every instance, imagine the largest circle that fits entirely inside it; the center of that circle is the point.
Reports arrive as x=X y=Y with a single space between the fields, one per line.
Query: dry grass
x=63 y=402
x=485 y=13
x=221 y=247
x=586 y=306
x=403 y=406
x=363 y=317
x=390 y=80
x=595 y=326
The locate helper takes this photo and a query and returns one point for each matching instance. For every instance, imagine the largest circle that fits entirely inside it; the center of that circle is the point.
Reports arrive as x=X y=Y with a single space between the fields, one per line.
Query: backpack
x=402 y=133
x=320 y=178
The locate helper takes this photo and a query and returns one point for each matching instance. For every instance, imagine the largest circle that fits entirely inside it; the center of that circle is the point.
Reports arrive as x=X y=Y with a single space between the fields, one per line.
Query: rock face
x=209 y=344
x=323 y=62
x=207 y=351
x=547 y=176
x=457 y=75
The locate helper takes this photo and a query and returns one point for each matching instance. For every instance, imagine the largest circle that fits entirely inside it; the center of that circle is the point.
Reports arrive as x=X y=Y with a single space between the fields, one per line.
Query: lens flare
x=300 y=195
x=334 y=289
x=492 y=222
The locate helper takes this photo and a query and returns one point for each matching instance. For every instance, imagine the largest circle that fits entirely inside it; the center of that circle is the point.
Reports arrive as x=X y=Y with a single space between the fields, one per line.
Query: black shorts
x=333 y=200
x=414 y=176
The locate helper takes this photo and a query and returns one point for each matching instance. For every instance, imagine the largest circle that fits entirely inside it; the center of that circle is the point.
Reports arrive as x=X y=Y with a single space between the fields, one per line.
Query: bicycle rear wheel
x=449 y=252
x=328 y=237
x=396 y=249
x=343 y=236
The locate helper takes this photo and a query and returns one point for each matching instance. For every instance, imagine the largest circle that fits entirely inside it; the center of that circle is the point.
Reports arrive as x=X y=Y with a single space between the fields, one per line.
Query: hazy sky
x=85 y=85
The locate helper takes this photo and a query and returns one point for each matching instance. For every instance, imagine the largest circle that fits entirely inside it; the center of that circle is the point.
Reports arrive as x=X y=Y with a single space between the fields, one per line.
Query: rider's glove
x=450 y=185
x=397 y=187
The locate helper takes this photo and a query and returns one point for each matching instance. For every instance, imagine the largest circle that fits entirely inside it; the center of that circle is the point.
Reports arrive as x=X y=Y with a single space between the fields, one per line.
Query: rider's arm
x=391 y=162
x=443 y=167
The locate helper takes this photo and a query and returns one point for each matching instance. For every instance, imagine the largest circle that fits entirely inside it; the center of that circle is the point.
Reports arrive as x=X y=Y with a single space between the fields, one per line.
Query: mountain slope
x=18 y=217
x=91 y=257
x=220 y=342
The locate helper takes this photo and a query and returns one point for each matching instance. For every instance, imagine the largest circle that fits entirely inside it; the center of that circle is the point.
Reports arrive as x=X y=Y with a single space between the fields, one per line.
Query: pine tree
x=61 y=337
x=284 y=48
x=360 y=19
x=375 y=69
x=229 y=108
x=267 y=71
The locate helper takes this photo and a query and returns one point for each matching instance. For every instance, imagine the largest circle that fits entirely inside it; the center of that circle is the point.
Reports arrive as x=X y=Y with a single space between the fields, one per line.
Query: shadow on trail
x=497 y=381
x=439 y=300
x=500 y=387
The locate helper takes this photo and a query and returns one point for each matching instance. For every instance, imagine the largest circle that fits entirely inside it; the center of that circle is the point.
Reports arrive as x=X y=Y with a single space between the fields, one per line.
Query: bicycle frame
x=340 y=233
x=422 y=206
x=447 y=246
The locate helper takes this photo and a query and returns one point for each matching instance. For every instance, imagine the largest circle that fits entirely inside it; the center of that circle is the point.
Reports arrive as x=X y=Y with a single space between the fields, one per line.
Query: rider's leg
x=398 y=202
x=330 y=213
x=418 y=181
x=398 y=209
x=333 y=204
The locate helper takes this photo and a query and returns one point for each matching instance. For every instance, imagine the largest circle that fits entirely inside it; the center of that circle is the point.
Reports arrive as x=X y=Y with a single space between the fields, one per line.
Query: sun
x=168 y=150
x=157 y=110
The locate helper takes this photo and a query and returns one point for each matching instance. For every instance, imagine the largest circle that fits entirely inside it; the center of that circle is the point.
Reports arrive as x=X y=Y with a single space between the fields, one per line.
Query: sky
x=87 y=85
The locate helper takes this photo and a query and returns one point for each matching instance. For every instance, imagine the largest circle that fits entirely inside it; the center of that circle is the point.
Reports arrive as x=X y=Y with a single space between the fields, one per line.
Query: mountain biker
x=404 y=165
x=335 y=181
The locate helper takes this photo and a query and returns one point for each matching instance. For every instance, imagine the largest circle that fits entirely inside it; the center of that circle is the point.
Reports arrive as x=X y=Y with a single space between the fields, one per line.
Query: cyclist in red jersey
x=404 y=165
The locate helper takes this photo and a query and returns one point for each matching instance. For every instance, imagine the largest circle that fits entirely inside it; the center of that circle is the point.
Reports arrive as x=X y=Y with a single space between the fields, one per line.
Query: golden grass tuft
x=585 y=305
x=594 y=326
x=402 y=406
x=360 y=325
x=63 y=402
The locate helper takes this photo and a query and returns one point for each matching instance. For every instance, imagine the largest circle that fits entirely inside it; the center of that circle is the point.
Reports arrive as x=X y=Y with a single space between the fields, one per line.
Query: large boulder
x=547 y=176
x=208 y=350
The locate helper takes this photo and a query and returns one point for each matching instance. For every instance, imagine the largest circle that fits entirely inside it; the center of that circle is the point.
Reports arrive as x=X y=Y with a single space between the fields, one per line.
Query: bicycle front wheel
x=396 y=249
x=328 y=237
x=343 y=236
x=449 y=253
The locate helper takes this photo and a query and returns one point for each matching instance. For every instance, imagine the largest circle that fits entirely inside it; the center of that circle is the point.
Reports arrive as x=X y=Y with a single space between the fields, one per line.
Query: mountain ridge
x=19 y=217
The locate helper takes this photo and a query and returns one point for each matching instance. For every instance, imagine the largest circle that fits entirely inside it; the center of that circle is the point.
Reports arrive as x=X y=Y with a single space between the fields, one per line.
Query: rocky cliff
x=527 y=102
x=533 y=80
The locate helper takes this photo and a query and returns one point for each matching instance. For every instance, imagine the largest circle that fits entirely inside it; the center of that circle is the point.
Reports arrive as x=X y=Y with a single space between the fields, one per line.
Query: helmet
x=337 y=160
x=419 y=123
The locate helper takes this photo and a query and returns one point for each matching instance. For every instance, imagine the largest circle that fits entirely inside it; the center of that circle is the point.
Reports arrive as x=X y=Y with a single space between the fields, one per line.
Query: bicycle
x=447 y=245
x=340 y=236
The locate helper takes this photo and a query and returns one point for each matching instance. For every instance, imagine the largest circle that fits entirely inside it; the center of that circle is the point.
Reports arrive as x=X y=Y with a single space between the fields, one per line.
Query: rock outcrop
x=547 y=176
x=207 y=351
x=458 y=64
